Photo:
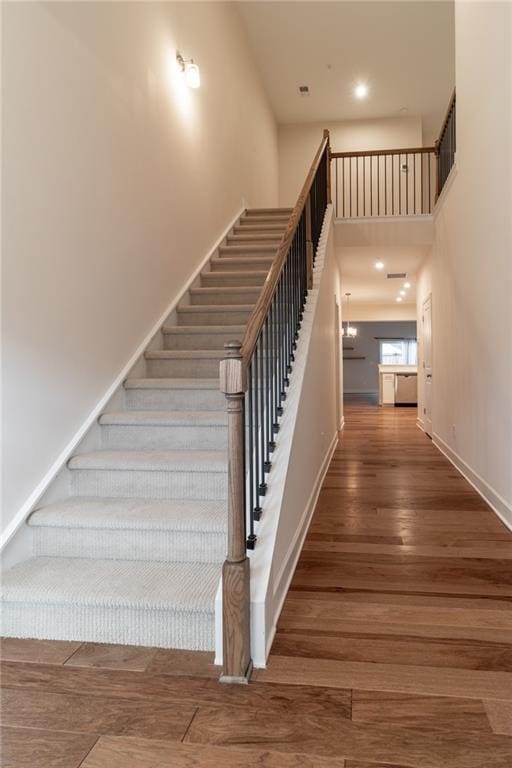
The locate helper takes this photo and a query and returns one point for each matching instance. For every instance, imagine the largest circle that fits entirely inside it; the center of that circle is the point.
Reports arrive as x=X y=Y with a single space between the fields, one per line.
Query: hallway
x=403 y=594
x=394 y=648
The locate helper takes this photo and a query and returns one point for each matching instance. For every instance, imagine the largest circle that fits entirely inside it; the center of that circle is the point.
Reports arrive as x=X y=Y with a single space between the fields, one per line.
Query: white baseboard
x=27 y=507
x=497 y=503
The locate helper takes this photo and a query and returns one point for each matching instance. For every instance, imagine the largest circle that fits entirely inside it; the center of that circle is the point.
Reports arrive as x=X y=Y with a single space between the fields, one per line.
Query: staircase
x=133 y=554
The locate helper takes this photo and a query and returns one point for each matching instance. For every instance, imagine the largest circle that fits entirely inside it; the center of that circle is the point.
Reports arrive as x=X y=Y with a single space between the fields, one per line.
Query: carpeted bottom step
x=167 y=605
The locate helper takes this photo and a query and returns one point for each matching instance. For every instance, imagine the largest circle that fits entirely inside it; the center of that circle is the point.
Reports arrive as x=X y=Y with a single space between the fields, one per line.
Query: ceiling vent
x=304 y=90
x=396 y=275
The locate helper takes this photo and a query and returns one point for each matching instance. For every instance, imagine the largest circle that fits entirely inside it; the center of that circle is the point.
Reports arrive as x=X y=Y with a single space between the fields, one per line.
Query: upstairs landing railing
x=254 y=376
x=394 y=182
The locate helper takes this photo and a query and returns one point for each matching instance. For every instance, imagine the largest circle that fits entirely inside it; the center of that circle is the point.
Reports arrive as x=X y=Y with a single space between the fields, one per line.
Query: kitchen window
x=399 y=352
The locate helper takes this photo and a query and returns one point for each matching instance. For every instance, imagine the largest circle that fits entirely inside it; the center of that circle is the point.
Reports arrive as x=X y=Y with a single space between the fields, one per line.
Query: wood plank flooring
x=394 y=647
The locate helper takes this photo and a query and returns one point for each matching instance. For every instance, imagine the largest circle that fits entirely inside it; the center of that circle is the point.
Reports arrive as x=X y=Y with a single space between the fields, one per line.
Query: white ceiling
x=370 y=286
x=404 y=51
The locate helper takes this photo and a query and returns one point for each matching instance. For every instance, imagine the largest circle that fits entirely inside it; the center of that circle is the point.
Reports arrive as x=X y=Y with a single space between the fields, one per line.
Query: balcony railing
x=393 y=182
x=446 y=146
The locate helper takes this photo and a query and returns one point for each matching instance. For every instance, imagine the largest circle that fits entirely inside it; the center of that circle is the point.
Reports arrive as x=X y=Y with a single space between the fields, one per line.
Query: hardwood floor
x=394 y=647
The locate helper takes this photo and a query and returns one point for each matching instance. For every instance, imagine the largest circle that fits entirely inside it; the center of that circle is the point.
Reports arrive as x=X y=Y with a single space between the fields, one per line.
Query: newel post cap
x=233 y=378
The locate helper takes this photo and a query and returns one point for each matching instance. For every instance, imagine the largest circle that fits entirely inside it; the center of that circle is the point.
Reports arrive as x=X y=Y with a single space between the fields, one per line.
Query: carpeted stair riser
x=240 y=278
x=223 y=315
x=156 y=484
x=281 y=211
x=226 y=295
x=197 y=367
x=157 y=545
x=237 y=263
x=205 y=338
x=175 y=399
x=247 y=251
x=159 y=438
x=275 y=229
x=120 y=626
x=253 y=238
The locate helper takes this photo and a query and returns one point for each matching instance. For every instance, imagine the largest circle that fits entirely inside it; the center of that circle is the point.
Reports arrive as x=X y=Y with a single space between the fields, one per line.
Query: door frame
x=426 y=372
x=338 y=374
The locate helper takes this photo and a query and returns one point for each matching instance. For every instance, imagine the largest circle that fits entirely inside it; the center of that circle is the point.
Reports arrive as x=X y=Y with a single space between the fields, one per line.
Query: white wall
x=298 y=143
x=116 y=180
x=392 y=312
x=471 y=262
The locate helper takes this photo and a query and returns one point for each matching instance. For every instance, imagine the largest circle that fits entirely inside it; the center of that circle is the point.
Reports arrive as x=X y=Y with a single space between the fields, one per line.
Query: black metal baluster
x=262 y=489
x=256 y=454
x=392 y=185
x=414 y=182
x=251 y=539
x=266 y=385
x=371 y=184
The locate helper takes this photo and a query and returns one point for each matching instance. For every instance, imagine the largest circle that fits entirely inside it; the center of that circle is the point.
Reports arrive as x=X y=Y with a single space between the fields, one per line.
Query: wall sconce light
x=190 y=70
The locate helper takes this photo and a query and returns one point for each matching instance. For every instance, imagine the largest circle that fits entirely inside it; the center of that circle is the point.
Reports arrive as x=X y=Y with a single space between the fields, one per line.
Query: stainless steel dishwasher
x=406 y=389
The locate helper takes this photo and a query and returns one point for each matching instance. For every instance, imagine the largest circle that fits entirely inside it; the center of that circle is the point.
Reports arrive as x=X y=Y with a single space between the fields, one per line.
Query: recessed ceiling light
x=399 y=298
x=402 y=293
x=379 y=264
x=407 y=285
x=361 y=91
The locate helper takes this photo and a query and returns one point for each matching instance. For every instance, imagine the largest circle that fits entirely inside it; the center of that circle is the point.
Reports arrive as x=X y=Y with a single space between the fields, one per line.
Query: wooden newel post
x=328 y=161
x=236 y=600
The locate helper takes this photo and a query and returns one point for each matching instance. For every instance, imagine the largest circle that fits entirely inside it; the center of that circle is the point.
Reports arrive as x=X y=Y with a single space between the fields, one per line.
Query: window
x=399 y=352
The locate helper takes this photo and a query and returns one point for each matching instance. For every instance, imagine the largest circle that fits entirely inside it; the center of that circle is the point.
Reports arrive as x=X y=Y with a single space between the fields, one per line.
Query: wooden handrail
x=446 y=118
x=260 y=311
x=375 y=152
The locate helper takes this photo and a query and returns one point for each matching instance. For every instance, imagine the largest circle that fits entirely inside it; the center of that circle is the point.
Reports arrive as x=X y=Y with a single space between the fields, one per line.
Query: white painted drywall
x=117 y=179
x=392 y=312
x=472 y=264
x=297 y=144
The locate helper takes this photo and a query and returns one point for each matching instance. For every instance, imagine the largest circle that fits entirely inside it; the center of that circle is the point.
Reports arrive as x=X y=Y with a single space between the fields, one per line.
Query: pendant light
x=349 y=331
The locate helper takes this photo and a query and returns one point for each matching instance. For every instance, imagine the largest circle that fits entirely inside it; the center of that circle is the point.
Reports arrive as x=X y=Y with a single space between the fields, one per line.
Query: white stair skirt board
x=127 y=542
x=269 y=579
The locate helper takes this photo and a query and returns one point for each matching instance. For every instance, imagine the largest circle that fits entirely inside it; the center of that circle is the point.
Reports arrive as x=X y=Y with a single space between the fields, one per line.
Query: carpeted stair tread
x=189 y=587
x=199 y=329
x=175 y=383
x=184 y=354
x=195 y=308
x=133 y=514
x=151 y=461
x=165 y=418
